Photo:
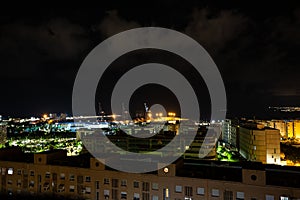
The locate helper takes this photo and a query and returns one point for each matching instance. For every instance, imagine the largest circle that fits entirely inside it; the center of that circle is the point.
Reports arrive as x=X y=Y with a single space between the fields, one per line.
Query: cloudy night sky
x=256 y=48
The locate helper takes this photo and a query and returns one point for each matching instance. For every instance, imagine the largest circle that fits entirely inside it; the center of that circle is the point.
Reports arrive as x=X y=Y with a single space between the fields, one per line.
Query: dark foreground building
x=85 y=177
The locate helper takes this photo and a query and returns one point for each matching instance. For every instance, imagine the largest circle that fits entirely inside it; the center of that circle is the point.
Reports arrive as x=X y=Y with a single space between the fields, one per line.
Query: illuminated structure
x=3 y=133
x=229 y=133
x=287 y=128
x=84 y=176
x=259 y=143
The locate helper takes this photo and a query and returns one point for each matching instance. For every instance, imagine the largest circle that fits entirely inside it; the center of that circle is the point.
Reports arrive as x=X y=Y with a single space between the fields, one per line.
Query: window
x=166 y=194
x=178 y=188
x=62 y=176
x=240 y=195
x=154 y=186
x=215 y=193
x=228 y=195
x=269 y=197
x=46 y=186
x=115 y=183
x=145 y=186
x=10 y=171
x=274 y=150
x=9 y=182
x=188 y=191
x=284 y=198
x=136 y=184
x=72 y=177
x=114 y=194
x=200 y=191
x=106 y=180
x=87 y=179
x=19 y=171
x=47 y=175
x=106 y=194
x=136 y=196
x=123 y=182
x=88 y=190
x=154 y=197
x=72 y=188
x=61 y=188
x=19 y=183
x=31 y=173
x=97 y=185
x=145 y=196
x=123 y=195
x=31 y=184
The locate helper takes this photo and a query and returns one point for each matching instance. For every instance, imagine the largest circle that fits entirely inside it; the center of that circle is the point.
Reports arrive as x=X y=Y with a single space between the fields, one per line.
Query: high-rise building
x=259 y=143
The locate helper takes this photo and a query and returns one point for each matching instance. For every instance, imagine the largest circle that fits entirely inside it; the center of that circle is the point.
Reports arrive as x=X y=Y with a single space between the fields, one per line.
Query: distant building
x=229 y=132
x=287 y=128
x=84 y=176
x=259 y=143
x=3 y=134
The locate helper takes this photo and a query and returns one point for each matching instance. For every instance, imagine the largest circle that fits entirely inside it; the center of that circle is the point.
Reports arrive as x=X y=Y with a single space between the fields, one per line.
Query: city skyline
x=42 y=49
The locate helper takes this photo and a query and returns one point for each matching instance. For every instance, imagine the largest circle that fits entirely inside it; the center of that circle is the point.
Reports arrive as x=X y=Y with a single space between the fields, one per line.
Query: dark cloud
x=215 y=31
x=113 y=24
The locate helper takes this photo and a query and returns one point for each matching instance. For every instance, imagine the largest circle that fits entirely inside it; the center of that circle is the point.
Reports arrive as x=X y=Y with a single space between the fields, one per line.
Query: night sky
x=256 y=48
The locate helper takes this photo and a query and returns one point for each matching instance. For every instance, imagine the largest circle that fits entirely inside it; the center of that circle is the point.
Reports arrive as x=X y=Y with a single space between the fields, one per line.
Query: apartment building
x=84 y=176
x=259 y=143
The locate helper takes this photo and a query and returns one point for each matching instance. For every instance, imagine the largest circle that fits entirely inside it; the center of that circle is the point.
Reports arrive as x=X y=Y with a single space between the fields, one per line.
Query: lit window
x=123 y=195
x=88 y=190
x=178 y=188
x=136 y=196
x=62 y=176
x=31 y=184
x=106 y=194
x=269 y=197
x=154 y=197
x=154 y=186
x=47 y=175
x=215 y=193
x=72 y=188
x=240 y=195
x=284 y=198
x=10 y=171
x=200 y=191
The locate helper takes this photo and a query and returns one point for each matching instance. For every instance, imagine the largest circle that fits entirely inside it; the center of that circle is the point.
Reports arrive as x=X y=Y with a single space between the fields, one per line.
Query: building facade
x=259 y=143
x=50 y=173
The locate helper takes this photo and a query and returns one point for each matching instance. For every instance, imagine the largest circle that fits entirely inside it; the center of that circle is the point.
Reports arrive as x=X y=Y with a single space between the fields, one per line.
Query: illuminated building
x=229 y=133
x=290 y=129
x=3 y=133
x=84 y=176
x=259 y=143
x=297 y=128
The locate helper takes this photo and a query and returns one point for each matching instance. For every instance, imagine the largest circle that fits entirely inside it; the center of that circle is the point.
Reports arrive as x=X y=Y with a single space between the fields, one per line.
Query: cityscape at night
x=174 y=100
